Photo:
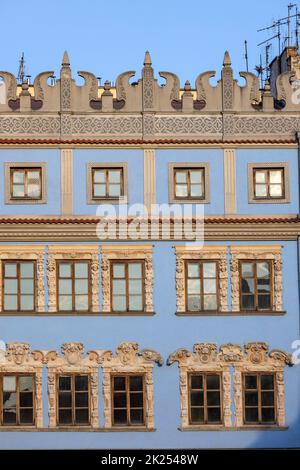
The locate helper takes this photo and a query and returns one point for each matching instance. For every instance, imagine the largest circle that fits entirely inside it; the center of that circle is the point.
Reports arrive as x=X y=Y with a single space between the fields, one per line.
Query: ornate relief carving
x=27 y=252
x=188 y=125
x=134 y=252
x=69 y=252
x=256 y=252
x=19 y=358
x=29 y=125
x=254 y=358
x=183 y=253
x=129 y=359
x=105 y=125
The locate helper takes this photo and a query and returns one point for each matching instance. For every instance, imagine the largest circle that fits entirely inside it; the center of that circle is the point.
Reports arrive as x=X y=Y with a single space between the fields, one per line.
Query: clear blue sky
x=107 y=38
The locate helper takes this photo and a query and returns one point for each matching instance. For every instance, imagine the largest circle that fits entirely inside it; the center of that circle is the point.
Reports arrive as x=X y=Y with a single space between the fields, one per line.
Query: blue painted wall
x=135 y=161
x=245 y=156
x=52 y=160
x=165 y=332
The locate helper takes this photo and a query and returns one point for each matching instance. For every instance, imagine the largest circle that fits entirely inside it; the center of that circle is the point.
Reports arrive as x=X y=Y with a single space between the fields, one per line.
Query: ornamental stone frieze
x=142 y=109
x=254 y=357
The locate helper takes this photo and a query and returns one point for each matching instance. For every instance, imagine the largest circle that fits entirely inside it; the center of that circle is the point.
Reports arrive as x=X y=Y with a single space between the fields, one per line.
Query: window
x=19 y=285
x=73 y=285
x=73 y=400
x=189 y=183
x=205 y=398
x=201 y=286
x=26 y=183
x=127 y=286
x=259 y=398
x=17 y=401
x=256 y=292
x=268 y=183
x=128 y=400
x=107 y=183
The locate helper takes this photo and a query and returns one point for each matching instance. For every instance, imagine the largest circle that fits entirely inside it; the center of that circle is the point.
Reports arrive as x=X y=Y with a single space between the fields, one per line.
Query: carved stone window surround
x=269 y=166
x=191 y=165
x=260 y=253
x=108 y=165
x=73 y=252
x=127 y=252
x=130 y=360
x=19 y=359
x=27 y=253
x=203 y=253
x=11 y=165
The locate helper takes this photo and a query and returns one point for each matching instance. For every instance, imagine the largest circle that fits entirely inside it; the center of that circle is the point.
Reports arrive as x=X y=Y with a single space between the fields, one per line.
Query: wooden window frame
x=106 y=166
x=188 y=183
x=25 y=171
x=200 y=263
x=255 y=262
x=106 y=170
x=205 y=407
x=73 y=262
x=73 y=393
x=25 y=166
x=269 y=166
x=268 y=184
x=259 y=407
x=17 y=375
x=128 y=407
x=189 y=166
x=18 y=262
x=127 y=262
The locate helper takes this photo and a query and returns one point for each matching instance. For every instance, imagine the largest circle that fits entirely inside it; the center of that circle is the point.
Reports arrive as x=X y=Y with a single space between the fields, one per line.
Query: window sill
x=77 y=314
x=75 y=429
x=108 y=200
x=231 y=314
x=220 y=428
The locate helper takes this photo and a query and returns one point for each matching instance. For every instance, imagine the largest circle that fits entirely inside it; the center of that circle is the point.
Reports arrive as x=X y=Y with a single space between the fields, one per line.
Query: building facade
x=122 y=325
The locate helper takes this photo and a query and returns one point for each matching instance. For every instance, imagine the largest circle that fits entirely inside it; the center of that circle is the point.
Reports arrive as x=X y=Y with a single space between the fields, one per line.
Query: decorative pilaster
x=180 y=284
x=235 y=283
x=66 y=159
x=280 y=398
x=149 y=398
x=278 y=301
x=227 y=398
x=94 y=398
x=184 y=396
x=39 y=398
x=149 y=179
x=106 y=391
x=149 y=283
x=230 y=182
x=52 y=399
x=105 y=276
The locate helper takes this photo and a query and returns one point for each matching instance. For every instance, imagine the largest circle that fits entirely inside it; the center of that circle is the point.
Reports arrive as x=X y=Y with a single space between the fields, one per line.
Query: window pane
x=210 y=302
x=10 y=270
x=136 y=416
x=99 y=176
x=82 y=416
x=181 y=190
x=65 y=383
x=196 y=190
x=65 y=416
x=209 y=286
x=197 y=398
x=26 y=383
x=260 y=177
x=11 y=286
x=81 y=286
x=136 y=383
x=18 y=191
x=120 y=400
x=247 y=270
x=10 y=302
x=119 y=383
x=267 y=382
x=264 y=302
x=119 y=270
x=209 y=270
x=197 y=415
x=114 y=190
x=276 y=190
x=136 y=400
x=251 y=398
x=27 y=286
x=251 y=415
x=181 y=176
x=135 y=303
x=65 y=270
x=99 y=190
x=250 y=382
x=135 y=270
x=18 y=176
x=194 y=286
x=82 y=400
x=81 y=382
x=26 y=416
x=9 y=383
x=268 y=415
x=119 y=287
x=213 y=382
x=263 y=270
x=248 y=286
x=34 y=190
x=26 y=270
x=213 y=398
x=81 y=302
x=65 y=302
x=196 y=176
x=197 y=381
x=213 y=415
x=135 y=287
x=119 y=303
x=261 y=190
x=248 y=302
x=120 y=417
x=275 y=176
x=26 y=400
x=194 y=303
x=114 y=176
x=26 y=302
x=81 y=270
x=193 y=270
x=65 y=286
x=267 y=398
x=65 y=400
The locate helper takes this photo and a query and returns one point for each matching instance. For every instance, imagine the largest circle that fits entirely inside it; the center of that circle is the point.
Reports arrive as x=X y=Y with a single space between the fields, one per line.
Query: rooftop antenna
x=21 y=71
x=246 y=56
x=260 y=72
x=267 y=68
x=297 y=28
x=290 y=8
